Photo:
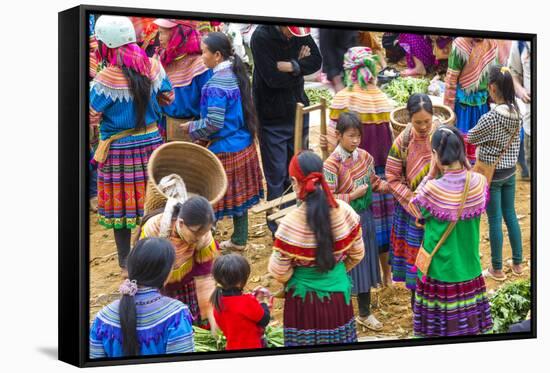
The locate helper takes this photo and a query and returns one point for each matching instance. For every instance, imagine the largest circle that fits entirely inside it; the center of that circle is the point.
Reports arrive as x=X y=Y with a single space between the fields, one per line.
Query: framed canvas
x=234 y=186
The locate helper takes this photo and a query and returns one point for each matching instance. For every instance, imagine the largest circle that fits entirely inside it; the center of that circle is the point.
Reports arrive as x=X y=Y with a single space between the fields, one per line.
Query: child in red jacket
x=241 y=317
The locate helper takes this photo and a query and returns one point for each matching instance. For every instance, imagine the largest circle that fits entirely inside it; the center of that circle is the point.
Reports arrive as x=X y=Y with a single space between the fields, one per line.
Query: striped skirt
x=366 y=274
x=382 y=209
x=405 y=241
x=446 y=309
x=186 y=293
x=245 y=182
x=314 y=322
x=122 y=179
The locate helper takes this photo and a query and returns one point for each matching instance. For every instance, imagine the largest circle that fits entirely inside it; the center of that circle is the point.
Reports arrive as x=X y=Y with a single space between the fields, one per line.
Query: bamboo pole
x=299 y=128
x=324 y=125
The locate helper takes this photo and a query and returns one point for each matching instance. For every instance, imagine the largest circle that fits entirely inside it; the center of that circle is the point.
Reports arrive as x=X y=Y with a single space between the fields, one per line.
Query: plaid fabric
x=491 y=135
x=187 y=294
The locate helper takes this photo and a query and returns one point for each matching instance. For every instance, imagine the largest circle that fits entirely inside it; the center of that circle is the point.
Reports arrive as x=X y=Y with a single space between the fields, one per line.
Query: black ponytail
x=501 y=77
x=448 y=143
x=318 y=213
x=219 y=42
x=149 y=264
x=418 y=102
x=196 y=211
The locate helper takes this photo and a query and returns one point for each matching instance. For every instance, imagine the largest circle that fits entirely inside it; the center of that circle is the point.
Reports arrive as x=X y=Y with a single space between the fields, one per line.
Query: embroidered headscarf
x=359 y=66
x=128 y=55
x=185 y=40
x=309 y=182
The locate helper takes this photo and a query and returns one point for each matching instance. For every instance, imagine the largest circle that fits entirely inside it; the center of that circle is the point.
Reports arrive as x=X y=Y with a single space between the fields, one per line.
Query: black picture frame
x=73 y=180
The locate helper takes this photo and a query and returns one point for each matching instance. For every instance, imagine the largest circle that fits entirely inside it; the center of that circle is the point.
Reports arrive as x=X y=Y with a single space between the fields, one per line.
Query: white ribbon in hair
x=173 y=187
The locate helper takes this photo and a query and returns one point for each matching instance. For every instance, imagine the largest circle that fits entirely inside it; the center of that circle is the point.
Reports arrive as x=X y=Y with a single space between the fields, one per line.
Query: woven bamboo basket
x=399 y=117
x=200 y=169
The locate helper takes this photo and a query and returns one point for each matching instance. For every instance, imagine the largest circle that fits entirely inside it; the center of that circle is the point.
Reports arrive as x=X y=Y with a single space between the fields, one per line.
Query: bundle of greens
x=400 y=89
x=510 y=304
x=205 y=341
x=315 y=94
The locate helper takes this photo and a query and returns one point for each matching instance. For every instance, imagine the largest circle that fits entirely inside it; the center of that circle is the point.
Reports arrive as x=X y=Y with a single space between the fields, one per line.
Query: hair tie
x=504 y=69
x=128 y=287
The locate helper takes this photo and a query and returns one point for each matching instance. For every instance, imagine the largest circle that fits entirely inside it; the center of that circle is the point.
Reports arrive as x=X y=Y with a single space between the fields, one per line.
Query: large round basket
x=399 y=117
x=200 y=169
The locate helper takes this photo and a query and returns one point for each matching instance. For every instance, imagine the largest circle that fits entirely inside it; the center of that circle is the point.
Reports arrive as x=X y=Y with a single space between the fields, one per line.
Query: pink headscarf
x=184 y=40
x=128 y=55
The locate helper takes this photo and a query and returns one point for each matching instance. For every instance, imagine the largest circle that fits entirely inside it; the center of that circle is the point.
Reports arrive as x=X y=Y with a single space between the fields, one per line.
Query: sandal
x=370 y=322
x=228 y=245
x=487 y=273
x=511 y=264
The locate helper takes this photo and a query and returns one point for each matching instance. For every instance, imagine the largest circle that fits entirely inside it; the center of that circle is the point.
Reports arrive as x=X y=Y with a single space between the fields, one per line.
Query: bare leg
x=386 y=269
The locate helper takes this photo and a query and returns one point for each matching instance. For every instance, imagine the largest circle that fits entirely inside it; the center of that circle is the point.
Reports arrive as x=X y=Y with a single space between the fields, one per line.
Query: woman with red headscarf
x=180 y=54
x=315 y=246
x=124 y=105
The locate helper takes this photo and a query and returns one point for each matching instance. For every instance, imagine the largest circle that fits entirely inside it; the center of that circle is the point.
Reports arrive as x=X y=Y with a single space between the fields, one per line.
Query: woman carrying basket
x=451 y=297
x=124 y=103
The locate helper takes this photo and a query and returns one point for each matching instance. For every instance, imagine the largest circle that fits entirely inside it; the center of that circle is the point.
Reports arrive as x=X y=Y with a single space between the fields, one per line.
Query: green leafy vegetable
x=400 y=89
x=510 y=304
x=205 y=341
x=315 y=94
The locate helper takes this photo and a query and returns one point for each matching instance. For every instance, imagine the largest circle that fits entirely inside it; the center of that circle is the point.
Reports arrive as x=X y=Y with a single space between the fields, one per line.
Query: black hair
x=140 y=87
x=219 y=42
x=197 y=210
x=349 y=120
x=149 y=264
x=448 y=143
x=418 y=102
x=230 y=271
x=318 y=213
x=503 y=81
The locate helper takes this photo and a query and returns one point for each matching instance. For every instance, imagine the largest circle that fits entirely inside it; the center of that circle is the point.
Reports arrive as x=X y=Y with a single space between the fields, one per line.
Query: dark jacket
x=334 y=45
x=277 y=93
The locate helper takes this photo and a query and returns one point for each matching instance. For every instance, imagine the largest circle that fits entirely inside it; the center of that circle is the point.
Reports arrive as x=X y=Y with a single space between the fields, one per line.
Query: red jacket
x=242 y=320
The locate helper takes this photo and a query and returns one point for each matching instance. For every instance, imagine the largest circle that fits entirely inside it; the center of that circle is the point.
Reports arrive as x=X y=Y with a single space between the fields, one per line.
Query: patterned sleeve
x=394 y=175
x=330 y=170
x=378 y=185
x=180 y=335
x=356 y=252
x=213 y=122
x=280 y=267
x=456 y=63
x=98 y=104
x=97 y=350
x=482 y=132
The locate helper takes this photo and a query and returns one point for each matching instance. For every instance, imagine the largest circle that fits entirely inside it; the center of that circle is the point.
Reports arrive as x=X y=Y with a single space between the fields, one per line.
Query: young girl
x=408 y=163
x=241 y=317
x=228 y=121
x=419 y=52
x=180 y=54
x=466 y=82
x=315 y=246
x=143 y=322
x=350 y=174
x=497 y=135
x=124 y=103
x=373 y=107
x=190 y=232
x=451 y=298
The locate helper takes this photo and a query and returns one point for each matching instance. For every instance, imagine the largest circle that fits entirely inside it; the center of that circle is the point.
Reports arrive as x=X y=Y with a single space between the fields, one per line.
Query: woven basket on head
x=399 y=117
x=200 y=169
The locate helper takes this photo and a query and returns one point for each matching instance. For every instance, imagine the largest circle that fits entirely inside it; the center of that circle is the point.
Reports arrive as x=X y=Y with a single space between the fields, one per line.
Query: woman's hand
x=305 y=51
x=285 y=67
x=359 y=192
x=414 y=211
x=522 y=94
x=184 y=127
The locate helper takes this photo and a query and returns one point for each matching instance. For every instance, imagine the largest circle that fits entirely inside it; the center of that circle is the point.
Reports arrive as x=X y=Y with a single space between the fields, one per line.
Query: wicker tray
x=399 y=117
x=199 y=168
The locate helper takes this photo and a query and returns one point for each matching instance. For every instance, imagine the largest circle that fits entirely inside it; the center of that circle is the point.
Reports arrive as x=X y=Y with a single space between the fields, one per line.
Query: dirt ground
x=390 y=305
